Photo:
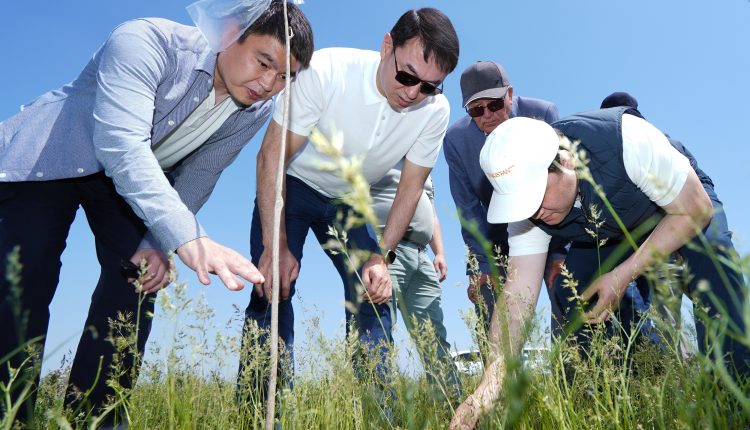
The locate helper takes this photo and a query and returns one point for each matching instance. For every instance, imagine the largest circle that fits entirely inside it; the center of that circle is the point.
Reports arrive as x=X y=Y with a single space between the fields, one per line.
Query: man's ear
x=387 y=46
x=509 y=99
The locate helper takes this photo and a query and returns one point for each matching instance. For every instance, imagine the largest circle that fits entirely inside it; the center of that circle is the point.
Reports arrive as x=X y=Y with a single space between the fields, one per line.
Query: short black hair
x=434 y=30
x=271 y=23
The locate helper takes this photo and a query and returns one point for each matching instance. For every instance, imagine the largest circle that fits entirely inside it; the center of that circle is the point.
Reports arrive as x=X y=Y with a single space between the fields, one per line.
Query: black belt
x=408 y=238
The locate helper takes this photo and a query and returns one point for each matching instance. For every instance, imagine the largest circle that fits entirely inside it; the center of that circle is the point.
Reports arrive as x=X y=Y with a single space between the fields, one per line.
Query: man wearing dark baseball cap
x=484 y=80
x=489 y=101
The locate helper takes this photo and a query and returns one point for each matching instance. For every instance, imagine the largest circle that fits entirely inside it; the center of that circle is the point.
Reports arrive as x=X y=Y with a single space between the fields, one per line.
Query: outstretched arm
x=507 y=334
x=375 y=275
x=685 y=217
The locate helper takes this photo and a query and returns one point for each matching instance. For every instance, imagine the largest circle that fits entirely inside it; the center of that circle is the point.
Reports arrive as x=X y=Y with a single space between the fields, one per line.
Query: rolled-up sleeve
x=524 y=238
x=651 y=162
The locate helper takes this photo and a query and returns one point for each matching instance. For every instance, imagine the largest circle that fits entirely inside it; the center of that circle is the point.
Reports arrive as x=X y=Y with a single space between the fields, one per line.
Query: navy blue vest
x=600 y=135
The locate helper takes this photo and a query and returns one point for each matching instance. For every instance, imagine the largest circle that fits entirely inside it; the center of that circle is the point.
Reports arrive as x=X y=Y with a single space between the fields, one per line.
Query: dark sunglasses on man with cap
x=478 y=110
x=406 y=78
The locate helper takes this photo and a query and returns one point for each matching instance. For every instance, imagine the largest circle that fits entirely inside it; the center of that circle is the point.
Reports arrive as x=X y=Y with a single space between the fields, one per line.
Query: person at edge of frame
x=541 y=190
x=173 y=105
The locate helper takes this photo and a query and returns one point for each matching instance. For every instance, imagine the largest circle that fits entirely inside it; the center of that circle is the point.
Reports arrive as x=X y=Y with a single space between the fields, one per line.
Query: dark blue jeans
x=726 y=285
x=37 y=216
x=306 y=209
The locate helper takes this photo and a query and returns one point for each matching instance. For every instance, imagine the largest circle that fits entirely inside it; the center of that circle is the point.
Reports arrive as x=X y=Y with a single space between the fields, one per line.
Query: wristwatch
x=389 y=256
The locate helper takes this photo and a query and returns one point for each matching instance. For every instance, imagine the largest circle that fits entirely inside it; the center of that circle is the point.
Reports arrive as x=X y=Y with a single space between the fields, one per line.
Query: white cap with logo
x=516 y=157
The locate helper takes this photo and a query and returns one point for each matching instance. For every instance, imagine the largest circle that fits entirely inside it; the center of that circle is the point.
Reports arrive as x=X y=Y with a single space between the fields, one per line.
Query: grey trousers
x=418 y=296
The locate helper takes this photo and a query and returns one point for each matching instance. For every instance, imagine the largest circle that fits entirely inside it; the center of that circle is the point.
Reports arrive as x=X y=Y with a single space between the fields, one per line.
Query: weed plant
x=186 y=386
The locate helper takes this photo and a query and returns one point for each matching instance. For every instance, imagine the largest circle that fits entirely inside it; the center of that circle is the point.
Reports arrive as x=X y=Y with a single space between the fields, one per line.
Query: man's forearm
x=402 y=211
x=410 y=189
x=671 y=234
x=689 y=213
x=436 y=243
x=266 y=173
x=513 y=311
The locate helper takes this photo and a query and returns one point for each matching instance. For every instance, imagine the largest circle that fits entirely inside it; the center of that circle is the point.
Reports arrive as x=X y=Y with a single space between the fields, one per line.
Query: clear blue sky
x=687 y=62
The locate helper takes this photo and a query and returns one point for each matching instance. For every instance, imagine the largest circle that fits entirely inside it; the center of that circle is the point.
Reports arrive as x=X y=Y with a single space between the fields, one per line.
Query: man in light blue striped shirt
x=138 y=140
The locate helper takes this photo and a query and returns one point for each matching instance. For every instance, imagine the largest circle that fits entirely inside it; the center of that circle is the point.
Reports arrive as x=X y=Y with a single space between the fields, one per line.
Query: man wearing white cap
x=489 y=101
x=542 y=190
x=139 y=141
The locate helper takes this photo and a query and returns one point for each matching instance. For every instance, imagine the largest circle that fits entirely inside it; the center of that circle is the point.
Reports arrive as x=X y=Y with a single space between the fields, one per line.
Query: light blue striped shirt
x=139 y=86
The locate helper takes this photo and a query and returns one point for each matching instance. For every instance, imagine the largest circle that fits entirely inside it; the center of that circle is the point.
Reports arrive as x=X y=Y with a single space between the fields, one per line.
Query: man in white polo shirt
x=387 y=106
x=542 y=191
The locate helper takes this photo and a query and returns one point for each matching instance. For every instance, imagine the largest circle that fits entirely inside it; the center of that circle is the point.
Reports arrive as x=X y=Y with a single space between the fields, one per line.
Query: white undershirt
x=194 y=131
x=652 y=164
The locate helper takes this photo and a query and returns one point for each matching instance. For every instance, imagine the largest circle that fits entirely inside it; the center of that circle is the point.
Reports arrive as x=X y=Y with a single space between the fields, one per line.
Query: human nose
x=268 y=80
x=412 y=92
x=487 y=113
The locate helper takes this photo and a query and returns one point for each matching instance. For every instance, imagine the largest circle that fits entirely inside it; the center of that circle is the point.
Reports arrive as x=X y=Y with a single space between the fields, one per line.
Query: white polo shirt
x=338 y=94
x=652 y=164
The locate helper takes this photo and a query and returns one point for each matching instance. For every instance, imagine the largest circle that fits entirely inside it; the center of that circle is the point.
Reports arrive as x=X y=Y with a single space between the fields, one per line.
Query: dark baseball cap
x=619 y=98
x=483 y=80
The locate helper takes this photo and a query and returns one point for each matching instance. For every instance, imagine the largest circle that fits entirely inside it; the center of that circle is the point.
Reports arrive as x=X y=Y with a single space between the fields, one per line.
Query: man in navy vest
x=544 y=188
x=665 y=311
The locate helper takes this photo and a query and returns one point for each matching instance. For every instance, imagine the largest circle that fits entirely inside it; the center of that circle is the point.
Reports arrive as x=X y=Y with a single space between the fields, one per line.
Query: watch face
x=390 y=256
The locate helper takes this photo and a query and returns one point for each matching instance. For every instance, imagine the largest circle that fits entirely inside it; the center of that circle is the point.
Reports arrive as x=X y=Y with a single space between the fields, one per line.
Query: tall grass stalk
x=278 y=210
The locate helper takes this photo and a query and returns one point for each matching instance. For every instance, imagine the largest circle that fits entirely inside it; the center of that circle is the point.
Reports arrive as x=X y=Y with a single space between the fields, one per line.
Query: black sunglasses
x=406 y=78
x=493 y=106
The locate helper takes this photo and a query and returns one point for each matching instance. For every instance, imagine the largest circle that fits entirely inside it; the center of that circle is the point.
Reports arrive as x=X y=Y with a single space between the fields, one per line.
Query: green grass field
x=620 y=385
